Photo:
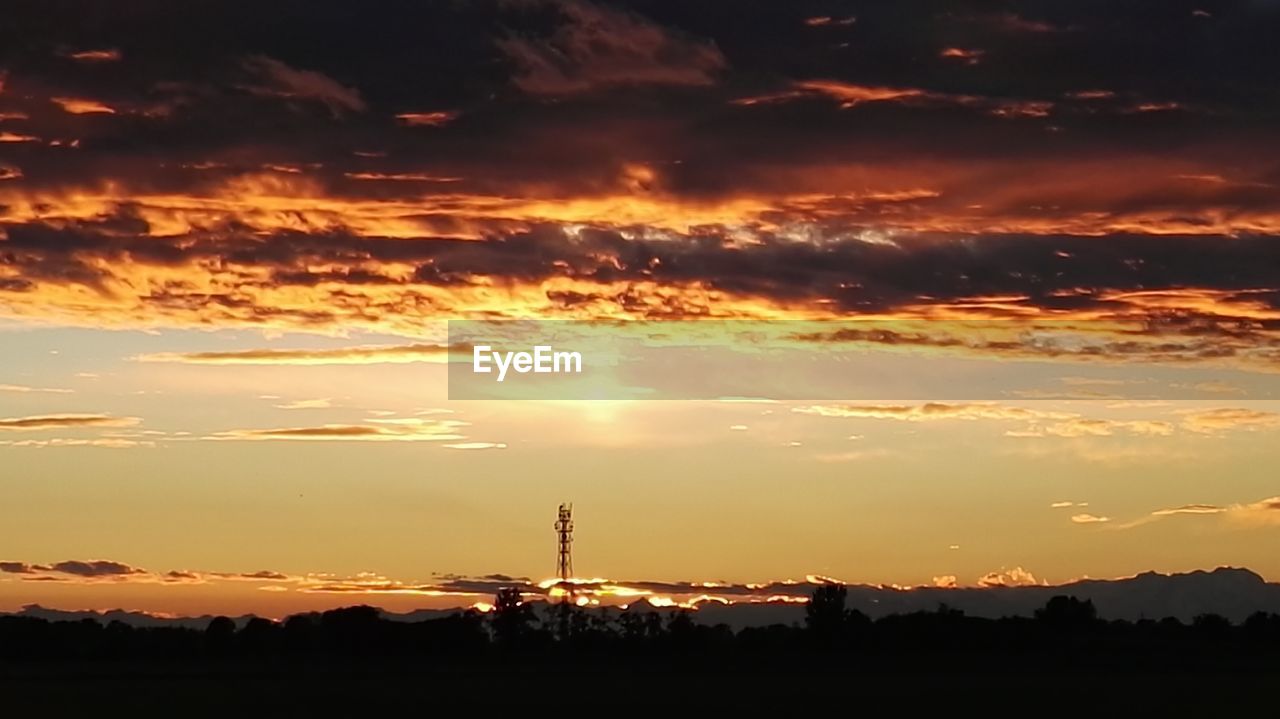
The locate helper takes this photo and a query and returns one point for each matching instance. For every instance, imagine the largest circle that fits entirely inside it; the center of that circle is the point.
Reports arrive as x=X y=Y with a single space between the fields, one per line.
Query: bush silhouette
x=1068 y=612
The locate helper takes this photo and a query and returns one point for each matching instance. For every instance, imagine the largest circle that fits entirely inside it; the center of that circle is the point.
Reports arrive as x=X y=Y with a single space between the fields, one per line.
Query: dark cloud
x=94 y=568
x=653 y=156
x=91 y=570
x=279 y=80
x=845 y=269
x=597 y=47
x=265 y=574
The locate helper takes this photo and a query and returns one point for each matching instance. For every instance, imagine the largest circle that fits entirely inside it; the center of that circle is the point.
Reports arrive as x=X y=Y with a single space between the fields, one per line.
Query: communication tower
x=564 y=562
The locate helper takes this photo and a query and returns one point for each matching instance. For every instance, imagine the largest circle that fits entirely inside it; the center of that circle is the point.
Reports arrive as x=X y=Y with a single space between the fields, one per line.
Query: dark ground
x=805 y=685
x=354 y=662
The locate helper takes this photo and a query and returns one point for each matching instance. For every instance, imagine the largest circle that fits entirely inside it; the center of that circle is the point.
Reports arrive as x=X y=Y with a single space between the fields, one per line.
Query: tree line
x=1065 y=626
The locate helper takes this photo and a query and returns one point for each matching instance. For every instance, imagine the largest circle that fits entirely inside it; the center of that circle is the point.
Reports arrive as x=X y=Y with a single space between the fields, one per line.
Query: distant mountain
x=418 y=615
x=134 y=619
x=1228 y=591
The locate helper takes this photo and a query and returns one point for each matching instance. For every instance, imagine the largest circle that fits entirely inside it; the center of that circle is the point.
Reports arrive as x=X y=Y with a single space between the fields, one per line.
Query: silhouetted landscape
x=833 y=649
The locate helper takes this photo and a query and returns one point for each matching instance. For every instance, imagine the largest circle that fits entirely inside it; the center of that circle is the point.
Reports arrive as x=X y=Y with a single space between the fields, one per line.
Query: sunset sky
x=231 y=237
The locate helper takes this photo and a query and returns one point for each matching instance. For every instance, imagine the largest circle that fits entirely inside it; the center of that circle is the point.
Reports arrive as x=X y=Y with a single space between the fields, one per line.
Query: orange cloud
x=933 y=411
x=102 y=442
x=847 y=94
x=827 y=20
x=852 y=95
x=1223 y=419
x=1088 y=427
x=1016 y=577
x=437 y=118
x=82 y=106
x=384 y=430
x=966 y=55
x=1023 y=108
x=65 y=421
x=399 y=177
x=103 y=55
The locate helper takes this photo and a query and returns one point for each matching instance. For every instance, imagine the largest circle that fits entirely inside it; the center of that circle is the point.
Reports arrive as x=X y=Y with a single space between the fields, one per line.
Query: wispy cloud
x=1262 y=512
x=83 y=106
x=1212 y=421
x=65 y=421
x=1086 y=427
x=435 y=118
x=280 y=80
x=104 y=442
x=1189 y=509
x=1089 y=519
x=386 y=430
x=1245 y=514
x=932 y=412
x=109 y=54
x=25 y=389
x=855 y=456
x=364 y=354
x=319 y=403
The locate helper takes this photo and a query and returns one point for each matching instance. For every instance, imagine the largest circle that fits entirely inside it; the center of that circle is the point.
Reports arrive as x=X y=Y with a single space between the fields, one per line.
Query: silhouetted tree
x=644 y=630
x=681 y=628
x=640 y=624
x=1262 y=628
x=300 y=633
x=825 y=613
x=513 y=619
x=1067 y=612
x=565 y=622
x=219 y=635
x=260 y=636
x=1212 y=626
x=352 y=630
x=828 y=622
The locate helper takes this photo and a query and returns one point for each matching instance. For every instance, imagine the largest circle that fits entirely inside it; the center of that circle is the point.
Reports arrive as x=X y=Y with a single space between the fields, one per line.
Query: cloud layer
x=569 y=158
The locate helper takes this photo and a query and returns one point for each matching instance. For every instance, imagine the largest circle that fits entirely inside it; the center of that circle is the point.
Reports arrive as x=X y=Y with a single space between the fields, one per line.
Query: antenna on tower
x=564 y=563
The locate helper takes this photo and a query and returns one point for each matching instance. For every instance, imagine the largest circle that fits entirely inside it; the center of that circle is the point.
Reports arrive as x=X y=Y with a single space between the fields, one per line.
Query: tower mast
x=564 y=563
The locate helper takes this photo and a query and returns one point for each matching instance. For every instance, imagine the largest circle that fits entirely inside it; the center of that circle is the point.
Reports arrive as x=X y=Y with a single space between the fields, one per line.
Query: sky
x=1036 y=246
